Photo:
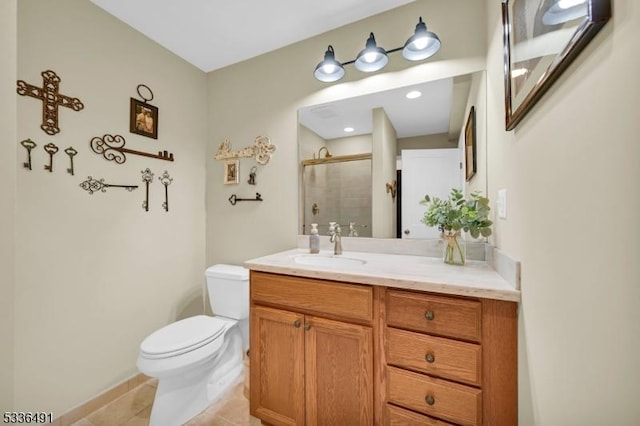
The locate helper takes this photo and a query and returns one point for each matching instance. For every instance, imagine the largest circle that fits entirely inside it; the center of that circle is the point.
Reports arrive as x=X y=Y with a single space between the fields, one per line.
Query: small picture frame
x=231 y=172
x=470 y=145
x=143 y=119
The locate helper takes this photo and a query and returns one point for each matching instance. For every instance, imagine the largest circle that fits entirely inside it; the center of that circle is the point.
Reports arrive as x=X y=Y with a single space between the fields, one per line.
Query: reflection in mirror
x=353 y=150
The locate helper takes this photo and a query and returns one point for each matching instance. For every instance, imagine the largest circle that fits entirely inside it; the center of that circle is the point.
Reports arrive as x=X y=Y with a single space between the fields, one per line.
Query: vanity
x=381 y=339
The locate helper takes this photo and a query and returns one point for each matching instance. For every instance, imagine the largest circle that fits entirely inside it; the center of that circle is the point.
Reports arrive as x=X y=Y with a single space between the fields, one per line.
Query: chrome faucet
x=336 y=238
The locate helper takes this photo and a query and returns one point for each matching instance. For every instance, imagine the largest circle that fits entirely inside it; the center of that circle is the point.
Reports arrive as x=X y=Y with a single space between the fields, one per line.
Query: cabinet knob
x=430 y=400
x=429 y=315
x=297 y=324
x=307 y=326
x=430 y=358
x=407 y=232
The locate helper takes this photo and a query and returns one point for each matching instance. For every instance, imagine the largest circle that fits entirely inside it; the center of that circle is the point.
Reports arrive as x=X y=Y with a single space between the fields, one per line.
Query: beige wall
x=383 y=164
x=478 y=99
x=261 y=97
x=96 y=273
x=437 y=141
x=571 y=169
x=8 y=33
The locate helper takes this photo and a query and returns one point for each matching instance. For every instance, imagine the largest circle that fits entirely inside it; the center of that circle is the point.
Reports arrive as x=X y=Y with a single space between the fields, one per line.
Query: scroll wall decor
x=51 y=99
x=261 y=150
x=112 y=149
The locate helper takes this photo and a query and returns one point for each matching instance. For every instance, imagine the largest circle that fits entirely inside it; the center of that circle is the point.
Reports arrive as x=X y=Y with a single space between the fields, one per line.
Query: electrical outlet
x=502 y=203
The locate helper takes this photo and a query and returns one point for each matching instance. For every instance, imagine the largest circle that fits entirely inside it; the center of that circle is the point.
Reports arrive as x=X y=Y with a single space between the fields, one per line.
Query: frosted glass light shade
x=329 y=70
x=422 y=44
x=371 y=58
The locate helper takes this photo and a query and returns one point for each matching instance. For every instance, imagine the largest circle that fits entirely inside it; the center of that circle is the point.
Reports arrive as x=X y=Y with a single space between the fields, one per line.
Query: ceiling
x=440 y=109
x=213 y=34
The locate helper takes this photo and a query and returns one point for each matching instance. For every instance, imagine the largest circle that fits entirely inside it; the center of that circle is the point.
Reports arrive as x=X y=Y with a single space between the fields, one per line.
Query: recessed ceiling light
x=349 y=129
x=413 y=94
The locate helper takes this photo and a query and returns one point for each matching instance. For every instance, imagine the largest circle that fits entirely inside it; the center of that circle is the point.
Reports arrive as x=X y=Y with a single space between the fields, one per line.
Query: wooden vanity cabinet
x=311 y=351
x=331 y=353
x=450 y=360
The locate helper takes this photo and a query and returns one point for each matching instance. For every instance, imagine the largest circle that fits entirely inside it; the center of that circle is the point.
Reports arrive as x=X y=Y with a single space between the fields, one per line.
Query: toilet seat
x=182 y=336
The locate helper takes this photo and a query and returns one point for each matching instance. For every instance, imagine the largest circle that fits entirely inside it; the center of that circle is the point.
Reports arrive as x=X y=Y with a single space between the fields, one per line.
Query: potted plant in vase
x=454 y=215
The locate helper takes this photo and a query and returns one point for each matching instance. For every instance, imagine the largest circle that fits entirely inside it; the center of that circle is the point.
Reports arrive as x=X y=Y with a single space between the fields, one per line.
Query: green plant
x=456 y=213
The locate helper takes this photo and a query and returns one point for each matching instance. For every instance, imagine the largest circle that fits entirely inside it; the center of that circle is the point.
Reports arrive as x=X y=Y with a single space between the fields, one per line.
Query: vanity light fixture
x=348 y=129
x=421 y=45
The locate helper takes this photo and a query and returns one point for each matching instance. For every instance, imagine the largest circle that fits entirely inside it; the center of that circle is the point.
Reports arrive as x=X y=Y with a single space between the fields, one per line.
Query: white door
x=426 y=171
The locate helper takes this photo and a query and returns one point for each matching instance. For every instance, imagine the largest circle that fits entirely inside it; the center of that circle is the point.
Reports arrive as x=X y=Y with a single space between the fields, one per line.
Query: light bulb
x=421 y=43
x=370 y=57
x=329 y=68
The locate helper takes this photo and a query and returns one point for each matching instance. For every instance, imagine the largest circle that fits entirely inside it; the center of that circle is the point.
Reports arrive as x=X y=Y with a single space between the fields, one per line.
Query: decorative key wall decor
x=71 y=152
x=166 y=181
x=112 y=148
x=51 y=149
x=252 y=175
x=234 y=199
x=51 y=100
x=28 y=144
x=94 y=185
x=261 y=150
x=147 y=177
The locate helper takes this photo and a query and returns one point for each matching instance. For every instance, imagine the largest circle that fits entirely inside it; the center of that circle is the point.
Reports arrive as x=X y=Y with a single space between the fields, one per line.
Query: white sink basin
x=327 y=260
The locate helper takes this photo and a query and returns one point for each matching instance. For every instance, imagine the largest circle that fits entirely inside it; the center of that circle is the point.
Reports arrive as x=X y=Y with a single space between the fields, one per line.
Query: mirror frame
x=599 y=12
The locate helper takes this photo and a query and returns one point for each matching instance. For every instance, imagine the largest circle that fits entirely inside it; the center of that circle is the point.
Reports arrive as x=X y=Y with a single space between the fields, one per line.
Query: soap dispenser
x=314 y=239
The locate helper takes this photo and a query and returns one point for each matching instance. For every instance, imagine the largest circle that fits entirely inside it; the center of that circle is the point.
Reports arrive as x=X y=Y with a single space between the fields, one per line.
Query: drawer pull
x=430 y=400
x=430 y=358
x=429 y=315
x=297 y=324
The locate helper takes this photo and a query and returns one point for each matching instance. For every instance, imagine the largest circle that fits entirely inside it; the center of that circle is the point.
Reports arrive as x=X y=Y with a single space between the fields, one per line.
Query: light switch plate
x=502 y=203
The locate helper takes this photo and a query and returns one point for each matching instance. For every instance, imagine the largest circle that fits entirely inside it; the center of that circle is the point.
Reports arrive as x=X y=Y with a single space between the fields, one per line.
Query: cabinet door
x=338 y=372
x=277 y=366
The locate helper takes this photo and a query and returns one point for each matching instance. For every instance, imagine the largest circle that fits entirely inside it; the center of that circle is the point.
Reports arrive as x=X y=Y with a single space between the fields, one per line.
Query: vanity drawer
x=445 y=316
x=326 y=298
x=435 y=397
x=446 y=358
x=397 y=416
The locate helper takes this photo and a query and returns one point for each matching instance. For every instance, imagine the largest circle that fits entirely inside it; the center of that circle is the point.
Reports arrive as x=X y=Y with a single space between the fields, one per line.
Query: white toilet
x=198 y=358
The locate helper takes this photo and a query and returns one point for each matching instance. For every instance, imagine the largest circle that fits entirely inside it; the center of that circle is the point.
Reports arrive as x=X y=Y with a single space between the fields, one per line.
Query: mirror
x=350 y=154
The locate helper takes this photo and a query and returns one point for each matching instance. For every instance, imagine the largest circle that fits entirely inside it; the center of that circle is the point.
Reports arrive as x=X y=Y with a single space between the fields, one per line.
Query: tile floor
x=134 y=409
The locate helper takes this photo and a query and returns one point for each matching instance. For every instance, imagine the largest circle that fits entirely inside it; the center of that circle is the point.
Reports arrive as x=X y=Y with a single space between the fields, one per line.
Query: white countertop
x=476 y=279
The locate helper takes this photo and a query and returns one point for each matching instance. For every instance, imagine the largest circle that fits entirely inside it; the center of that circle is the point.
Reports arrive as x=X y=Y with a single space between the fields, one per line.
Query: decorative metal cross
x=51 y=100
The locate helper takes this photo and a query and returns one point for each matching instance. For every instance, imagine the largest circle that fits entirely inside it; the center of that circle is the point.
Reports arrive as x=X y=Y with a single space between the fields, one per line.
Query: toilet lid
x=182 y=336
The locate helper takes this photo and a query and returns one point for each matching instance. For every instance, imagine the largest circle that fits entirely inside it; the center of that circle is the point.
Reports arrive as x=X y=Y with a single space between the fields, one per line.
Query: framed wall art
x=143 y=119
x=470 y=145
x=541 y=38
x=231 y=172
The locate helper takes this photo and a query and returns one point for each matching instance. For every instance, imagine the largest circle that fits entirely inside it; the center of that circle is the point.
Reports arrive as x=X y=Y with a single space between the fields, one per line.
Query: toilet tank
x=228 y=288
